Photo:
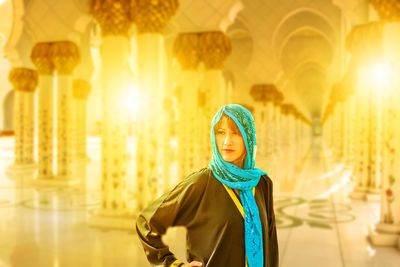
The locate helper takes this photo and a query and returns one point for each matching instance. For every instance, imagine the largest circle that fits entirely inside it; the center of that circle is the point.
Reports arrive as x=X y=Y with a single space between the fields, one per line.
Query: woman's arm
x=273 y=240
x=176 y=208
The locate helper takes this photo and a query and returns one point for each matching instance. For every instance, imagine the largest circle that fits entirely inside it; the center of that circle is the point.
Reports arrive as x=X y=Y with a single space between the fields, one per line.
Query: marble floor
x=318 y=225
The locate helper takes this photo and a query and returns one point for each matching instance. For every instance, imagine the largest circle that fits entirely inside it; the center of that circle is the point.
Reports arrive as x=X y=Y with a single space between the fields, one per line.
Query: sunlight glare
x=380 y=74
x=133 y=101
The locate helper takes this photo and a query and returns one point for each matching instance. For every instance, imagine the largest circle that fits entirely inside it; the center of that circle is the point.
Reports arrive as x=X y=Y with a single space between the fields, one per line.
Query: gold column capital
x=186 y=50
x=263 y=92
x=388 y=10
x=288 y=109
x=65 y=55
x=365 y=41
x=41 y=58
x=81 y=89
x=278 y=99
x=23 y=79
x=114 y=16
x=215 y=48
x=152 y=16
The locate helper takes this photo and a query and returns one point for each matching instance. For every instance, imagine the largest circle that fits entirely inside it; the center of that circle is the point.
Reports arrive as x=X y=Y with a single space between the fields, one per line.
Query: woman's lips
x=227 y=150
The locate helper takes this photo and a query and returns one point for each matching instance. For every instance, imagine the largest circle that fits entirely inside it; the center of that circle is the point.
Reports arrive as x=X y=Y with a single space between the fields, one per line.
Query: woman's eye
x=220 y=132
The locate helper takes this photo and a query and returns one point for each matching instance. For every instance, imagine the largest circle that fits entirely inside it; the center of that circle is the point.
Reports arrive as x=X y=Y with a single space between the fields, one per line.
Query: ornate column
x=187 y=52
x=114 y=18
x=24 y=82
x=374 y=181
x=40 y=57
x=351 y=122
x=387 y=231
x=214 y=47
x=292 y=139
x=203 y=141
x=337 y=128
x=333 y=128
x=151 y=18
x=261 y=94
x=258 y=114
x=270 y=127
x=80 y=93
x=362 y=149
x=288 y=138
x=278 y=99
x=365 y=44
x=65 y=56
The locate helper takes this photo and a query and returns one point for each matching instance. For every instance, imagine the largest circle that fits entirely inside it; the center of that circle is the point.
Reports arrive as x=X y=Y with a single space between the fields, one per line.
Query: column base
x=373 y=195
x=359 y=193
x=111 y=220
x=373 y=198
x=383 y=234
x=55 y=181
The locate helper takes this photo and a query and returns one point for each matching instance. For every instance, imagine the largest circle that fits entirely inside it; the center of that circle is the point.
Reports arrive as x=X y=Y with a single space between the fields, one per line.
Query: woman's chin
x=229 y=159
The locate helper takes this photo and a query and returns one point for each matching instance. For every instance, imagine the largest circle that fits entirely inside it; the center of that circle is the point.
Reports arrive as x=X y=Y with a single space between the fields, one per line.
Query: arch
x=17 y=30
x=239 y=25
x=303 y=66
x=298 y=50
x=299 y=30
x=300 y=18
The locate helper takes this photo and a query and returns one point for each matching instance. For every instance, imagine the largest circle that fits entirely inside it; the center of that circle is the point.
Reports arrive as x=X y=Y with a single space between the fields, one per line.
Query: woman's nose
x=228 y=139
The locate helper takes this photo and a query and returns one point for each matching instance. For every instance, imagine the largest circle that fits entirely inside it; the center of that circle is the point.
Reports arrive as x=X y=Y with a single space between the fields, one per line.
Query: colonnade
x=54 y=61
x=199 y=93
x=279 y=127
x=361 y=123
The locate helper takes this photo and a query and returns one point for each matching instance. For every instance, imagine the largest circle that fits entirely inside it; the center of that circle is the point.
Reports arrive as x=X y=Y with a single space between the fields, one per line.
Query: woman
x=227 y=208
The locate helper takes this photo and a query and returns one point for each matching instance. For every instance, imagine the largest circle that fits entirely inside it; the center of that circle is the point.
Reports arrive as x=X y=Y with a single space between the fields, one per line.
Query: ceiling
x=296 y=44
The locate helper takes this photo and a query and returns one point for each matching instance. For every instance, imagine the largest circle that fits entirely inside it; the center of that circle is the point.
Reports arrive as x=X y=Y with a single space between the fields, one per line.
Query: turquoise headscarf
x=244 y=179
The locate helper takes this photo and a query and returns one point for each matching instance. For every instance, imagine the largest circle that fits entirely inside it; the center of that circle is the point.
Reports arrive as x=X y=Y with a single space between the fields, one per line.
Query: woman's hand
x=193 y=264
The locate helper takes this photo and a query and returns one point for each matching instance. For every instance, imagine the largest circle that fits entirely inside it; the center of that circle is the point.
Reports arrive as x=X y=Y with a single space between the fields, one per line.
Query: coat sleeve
x=273 y=240
x=176 y=208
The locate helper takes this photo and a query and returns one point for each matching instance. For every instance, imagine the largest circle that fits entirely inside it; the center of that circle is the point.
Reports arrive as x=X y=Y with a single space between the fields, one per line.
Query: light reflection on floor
x=318 y=225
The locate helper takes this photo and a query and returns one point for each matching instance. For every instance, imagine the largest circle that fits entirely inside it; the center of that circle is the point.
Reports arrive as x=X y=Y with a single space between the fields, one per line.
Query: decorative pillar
x=387 y=231
x=333 y=129
x=40 y=57
x=374 y=181
x=351 y=122
x=202 y=138
x=65 y=56
x=256 y=95
x=24 y=82
x=151 y=18
x=214 y=48
x=114 y=18
x=80 y=93
x=365 y=44
x=263 y=95
x=269 y=126
x=278 y=99
x=187 y=52
x=362 y=149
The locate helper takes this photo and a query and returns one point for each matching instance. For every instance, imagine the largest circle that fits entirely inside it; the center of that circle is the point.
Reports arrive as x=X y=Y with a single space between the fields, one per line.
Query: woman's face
x=230 y=143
